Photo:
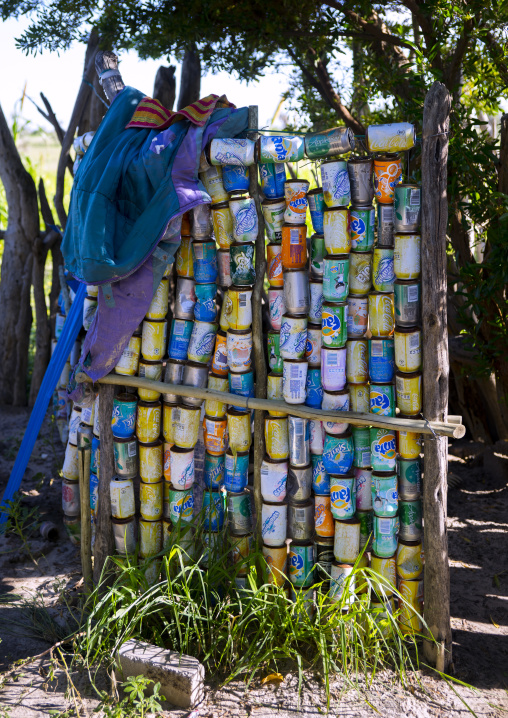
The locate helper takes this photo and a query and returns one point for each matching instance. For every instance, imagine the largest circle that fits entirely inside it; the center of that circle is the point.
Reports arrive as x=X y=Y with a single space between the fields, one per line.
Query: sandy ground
x=478 y=540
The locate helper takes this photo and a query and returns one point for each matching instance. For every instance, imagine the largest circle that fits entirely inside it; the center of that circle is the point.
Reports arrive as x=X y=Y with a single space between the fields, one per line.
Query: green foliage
x=136 y=704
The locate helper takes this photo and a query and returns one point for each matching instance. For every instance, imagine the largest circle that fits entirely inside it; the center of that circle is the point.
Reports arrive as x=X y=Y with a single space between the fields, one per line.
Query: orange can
x=220 y=355
x=294 y=246
x=167 y=455
x=276 y=559
x=323 y=519
x=185 y=224
x=274 y=265
x=215 y=435
x=387 y=175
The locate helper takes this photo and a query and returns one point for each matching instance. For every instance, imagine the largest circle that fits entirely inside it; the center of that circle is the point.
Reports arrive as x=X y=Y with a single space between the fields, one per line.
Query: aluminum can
x=363 y=489
x=235 y=178
x=411 y=611
x=150 y=537
x=407 y=302
x=409 y=472
x=87 y=415
x=385 y=567
x=316 y=202
x=241 y=547
x=239 y=430
x=151 y=462
x=245 y=219
x=357 y=316
x=185 y=426
x=409 y=393
x=167 y=460
x=336 y=230
x=123 y=420
x=276 y=561
x=320 y=478
x=204 y=257
x=95 y=456
x=89 y=311
x=238 y=308
x=335 y=401
x=393 y=137
x=384 y=541
x=272 y=177
x=70 y=465
x=179 y=338
x=181 y=505
x=385 y=225
x=313 y=345
x=274 y=392
x=334 y=324
x=273 y=213
x=382 y=399
x=407 y=206
x=149 y=370
x=126 y=457
x=224 y=268
x=333 y=369
x=359 y=397
x=335 y=183
x=301 y=564
x=313 y=388
x=410 y=514
x=329 y=142
x=381 y=314
x=200 y=221
x=202 y=342
x=274 y=524
x=296 y=291
x=362 y=222
x=277 y=438
x=213 y=407
x=294 y=380
x=181 y=461
x=357 y=361
x=151 y=500
x=239 y=512
x=70 y=497
x=409 y=442
x=299 y=448
x=360 y=273
x=236 y=471
x=153 y=339
x=323 y=549
x=159 y=305
x=205 y=309
x=129 y=358
x=295 y=194
x=317 y=254
x=274 y=358
x=300 y=520
x=294 y=246
x=212 y=549
x=299 y=483
x=220 y=356
x=317 y=436
x=124 y=533
x=239 y=348
x=213 y=474
x=408 y=349
x=232 y=151
x=361 y=441
x=212 y=179
x=409 y=559
x=406 y=255
x=148 y=421
x=274 y=265
x=338 y=453
x=293 y=337
x=343 y=498
x=382 y=269
x=274 y=474
x=360 y=170
x=387 y=175
x=381 y=359
x=278 y=148
x=383 y=449
x=195 y=375
x=213 y=510
x=242 y=263
x=336 y=277
x=215 y=435
x=184 y=263
x=323 y=519
x=122 y=498
x=385 y=498
x=342 y=584
x=276 y=307
x=347 y=540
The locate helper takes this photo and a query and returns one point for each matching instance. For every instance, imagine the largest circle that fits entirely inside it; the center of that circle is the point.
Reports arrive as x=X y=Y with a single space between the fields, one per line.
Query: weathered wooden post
x=436 y=113
x=84 y=455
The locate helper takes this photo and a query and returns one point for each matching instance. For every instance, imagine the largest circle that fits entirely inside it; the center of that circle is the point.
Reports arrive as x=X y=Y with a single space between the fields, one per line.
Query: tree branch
x=497 y=53
x=427 y=29
x=51 y=118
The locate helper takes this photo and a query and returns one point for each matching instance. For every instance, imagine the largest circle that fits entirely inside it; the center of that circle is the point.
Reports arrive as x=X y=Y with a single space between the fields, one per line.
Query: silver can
x=173 y=375
x=299 y=483
x=201 y=221
x=126 y=457
x=84 y=435
x=360 y=170
x=124 y=531
x=195 y=375
x=185 y=298
x=70 y=497
x=224 y=267
x=299 y=443
x=296 y=291
x=385 y=225
x=301 y=520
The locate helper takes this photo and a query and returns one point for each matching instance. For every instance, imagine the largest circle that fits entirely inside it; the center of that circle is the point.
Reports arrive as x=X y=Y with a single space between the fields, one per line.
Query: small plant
x=23 y=521
x=136 y=703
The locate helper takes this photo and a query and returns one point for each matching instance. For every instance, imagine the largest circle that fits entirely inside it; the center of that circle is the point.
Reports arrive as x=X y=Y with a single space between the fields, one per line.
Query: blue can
x=179 y=338
x=272 y=178
x=338 y=453
x=213 y=475
x=314 y=389
x=205 y=309
x=94 y=491
x=204 y=255
x=382 y=399
x=320 y=478
x=213 y=505
x=241 y=385
x=381 y=359
x=236 y=471
x=235 y=178
x=317 y=206
x=95 y=457
x=123 y=419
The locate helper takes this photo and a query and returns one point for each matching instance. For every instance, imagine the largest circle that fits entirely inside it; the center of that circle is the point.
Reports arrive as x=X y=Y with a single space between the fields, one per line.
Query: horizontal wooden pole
x=454 y=431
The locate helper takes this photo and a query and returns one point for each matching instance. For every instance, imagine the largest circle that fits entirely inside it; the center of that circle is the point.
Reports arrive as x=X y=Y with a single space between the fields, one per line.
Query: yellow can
x=186 y=425
x=238 y=308
x=167 y=458
x=274 y=391
x=212 y=179
x=151 y=462
x=184 y=259
x=149 y=370
x=159 y=305
x=224 y=313
x=153 y=339
x=359 y=397
x=406 y=255
x=121 y=493
x=168 y=427
x=360 y=273
x=241 y=546
x=409 y=393
x=410 y=442
x=148 y=421
x=357 y=361
x=385 y=567
x=381 y=314
x=240 y=437
x=127 y=365
x=213 y=407
x=408 y=349
x=412 y=606
x=276 y=559
x=277 y=437
x=336 y=230
x=150 y=497
x=150 y=537
x=409 y=559
x=346 y=545
x=222 y=225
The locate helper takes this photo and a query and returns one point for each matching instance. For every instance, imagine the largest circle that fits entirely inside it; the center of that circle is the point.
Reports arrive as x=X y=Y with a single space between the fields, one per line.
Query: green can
x=239 y=512
x=361 y=440
x=274 y=358
x=384 y=542
x=407 y=206
x=336 y=277
x=317 y=254
x=181 y=505
x=362 y=222
x=366 y=519
x=410 y=513
x=329 y=142
x=409 y=472
x=242 y=263
x=334 y=325
x=407 y=293
x=382 y=398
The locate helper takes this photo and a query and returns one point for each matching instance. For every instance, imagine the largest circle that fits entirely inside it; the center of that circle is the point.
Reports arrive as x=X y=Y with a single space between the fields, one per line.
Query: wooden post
x=436 y=113
x=84 y=455
x=104 y=545
x=257 y=329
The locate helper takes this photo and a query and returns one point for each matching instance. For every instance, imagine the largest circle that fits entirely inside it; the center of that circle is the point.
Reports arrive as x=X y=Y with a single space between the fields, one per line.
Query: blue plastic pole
x=70 y=332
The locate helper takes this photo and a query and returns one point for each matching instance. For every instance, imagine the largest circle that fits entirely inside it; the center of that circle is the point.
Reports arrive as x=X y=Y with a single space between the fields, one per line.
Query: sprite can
x=410 y=475
x=384 y=541
x=317 y=254
x=361 y=441
x=274 y=358
x=410 y=513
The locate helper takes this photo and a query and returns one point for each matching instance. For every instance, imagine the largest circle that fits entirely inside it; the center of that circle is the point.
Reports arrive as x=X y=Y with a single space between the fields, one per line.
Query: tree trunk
x=94 y=109
x=42 y=330
x=164 y=88
x=16 y=276
x=190 y=78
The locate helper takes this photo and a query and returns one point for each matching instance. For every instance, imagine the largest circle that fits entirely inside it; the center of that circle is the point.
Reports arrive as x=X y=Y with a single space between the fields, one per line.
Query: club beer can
x=273 y=213
x=381 y=314
x=150 y=462
x=357 y=316
x=338 y=453
x=274 y=358
x=239 y=430
x=385 y=566
x=179 y=338
x=360 y=273
x=335 y=183
x=238 y=308
x=294 y=380
x=184 y=263
x=126 y=457
x=149 y=370
x=387 y=175
x=313 y=345
x=336 y=230
x=385 y=225
x=407 y=302
x=409 y=563
x=363 y=489
x=274 y=392
x=385 y=498
x=239 y=512
x=245 y=219
x=280 y=148
x=213 y=474
x=274 y=524
x=274 y=474
x=334 y=324
x=393 y=137
x=129 y=358
x=408 y=349
x=224 y=268
x=336 y=277
x=276 y=307
x=293 y=337
x=317 y=254
x=150 y=537
x=320 y=478
x=159 y=305
x=276 y=561
x=382 y=399
x=186 y=426
x=236 y=471
x=407 y=206
x=300 y=520
x=409 y=472
x=406 y=255
x=222 y=221
x=122 y=498
x=274 y=264
x=168 y=429
x=213 y=510
x=295 y=194
x=357 y=361
x=314 y=388
x=384 y=542
x=361 y=442
x=409 y=392
x=335 y=401
x=301 y=564
x=272 y=177
x=346 y=547
x=277 y=438
x=296 y=291
x=411 y=610
x=148 y=421
x=362 y=222
x=383 y=449
x=215 y=435
x=360 y=170
x=381 y=359
x=153 y=339
x=410 y=514
x=151 y=500
x=316 y=202
x=409 y=442
x=359 y=397
x=235 y=178
x=333 y=369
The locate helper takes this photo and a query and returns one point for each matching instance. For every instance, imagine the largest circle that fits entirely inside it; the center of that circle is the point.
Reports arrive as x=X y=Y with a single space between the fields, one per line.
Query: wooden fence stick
x=104 y=545
x=84 y=456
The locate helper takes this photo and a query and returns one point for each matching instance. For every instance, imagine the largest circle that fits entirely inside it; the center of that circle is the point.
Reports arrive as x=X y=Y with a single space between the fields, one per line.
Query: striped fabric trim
x=150 y=114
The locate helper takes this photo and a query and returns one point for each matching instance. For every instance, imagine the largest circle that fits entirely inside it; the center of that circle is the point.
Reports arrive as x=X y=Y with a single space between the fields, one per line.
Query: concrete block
x=181 y=677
